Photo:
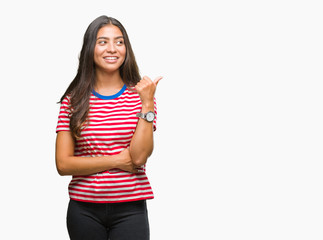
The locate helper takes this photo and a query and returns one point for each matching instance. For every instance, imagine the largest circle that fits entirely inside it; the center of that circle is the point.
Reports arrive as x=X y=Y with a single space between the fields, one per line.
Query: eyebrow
x=109 y=38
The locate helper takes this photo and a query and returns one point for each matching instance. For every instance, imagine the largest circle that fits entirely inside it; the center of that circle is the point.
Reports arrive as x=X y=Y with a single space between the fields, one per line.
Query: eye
x=120 y=42
x=102 y=42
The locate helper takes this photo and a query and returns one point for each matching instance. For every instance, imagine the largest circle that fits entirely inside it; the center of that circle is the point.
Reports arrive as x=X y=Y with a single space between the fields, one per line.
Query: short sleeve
x=155 y=120
x=63 y=123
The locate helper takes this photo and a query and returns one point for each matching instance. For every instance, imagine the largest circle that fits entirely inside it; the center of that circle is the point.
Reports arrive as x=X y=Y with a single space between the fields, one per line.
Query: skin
x=108 y=82
x=142 y=143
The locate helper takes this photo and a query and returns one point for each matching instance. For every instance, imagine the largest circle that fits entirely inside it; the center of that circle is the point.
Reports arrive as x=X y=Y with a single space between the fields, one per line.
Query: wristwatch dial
x=150 y=116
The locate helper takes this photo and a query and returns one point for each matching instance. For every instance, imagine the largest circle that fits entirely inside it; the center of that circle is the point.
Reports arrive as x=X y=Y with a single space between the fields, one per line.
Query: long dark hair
x=80 y=88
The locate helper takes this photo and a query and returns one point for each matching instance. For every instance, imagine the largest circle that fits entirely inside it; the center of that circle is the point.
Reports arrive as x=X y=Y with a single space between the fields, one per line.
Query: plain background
x=238 y=147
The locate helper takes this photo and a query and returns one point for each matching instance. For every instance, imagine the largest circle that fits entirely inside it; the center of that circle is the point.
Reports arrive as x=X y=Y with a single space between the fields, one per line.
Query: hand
x=125 y=162
x=146 y=89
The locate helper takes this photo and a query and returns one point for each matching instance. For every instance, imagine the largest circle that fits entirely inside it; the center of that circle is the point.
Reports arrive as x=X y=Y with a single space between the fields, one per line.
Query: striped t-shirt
x=111 y=124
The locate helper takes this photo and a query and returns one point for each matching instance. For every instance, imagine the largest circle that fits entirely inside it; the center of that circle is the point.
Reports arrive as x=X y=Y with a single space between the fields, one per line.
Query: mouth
x=110 y=59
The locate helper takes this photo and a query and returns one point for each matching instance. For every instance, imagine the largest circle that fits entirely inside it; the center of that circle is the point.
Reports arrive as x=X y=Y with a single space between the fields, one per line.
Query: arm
x=142 y=143
x=68 y=164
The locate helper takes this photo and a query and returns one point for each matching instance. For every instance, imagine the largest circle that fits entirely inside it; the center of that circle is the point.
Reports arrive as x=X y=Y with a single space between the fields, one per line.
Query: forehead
x=109 y=31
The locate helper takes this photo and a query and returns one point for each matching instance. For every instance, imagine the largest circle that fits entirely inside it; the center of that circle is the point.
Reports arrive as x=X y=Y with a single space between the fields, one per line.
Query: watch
x=149 y=116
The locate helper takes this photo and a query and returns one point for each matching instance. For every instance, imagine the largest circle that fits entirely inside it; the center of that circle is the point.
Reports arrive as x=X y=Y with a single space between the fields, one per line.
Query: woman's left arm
x=142 y=143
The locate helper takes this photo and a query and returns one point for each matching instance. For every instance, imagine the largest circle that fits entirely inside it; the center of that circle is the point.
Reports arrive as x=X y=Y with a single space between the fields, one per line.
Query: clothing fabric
x=111 y=124
x=103 y=221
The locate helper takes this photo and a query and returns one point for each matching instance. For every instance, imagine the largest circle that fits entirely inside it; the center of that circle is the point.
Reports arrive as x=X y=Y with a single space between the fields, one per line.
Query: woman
x=105 y=136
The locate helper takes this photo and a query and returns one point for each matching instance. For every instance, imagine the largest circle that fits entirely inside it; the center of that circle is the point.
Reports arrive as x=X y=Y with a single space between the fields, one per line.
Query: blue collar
x=109 y=97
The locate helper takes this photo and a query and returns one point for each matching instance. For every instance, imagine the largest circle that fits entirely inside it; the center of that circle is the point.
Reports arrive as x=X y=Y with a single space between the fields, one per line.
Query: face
x=110 y=50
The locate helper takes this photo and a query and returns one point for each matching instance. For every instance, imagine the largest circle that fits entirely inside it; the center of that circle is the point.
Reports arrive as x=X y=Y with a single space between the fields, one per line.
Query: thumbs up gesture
x=146 y=89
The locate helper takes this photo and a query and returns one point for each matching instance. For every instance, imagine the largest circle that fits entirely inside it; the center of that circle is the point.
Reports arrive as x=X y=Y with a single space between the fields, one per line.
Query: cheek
x=99 y=50
x=97 y=53
x=123 y=51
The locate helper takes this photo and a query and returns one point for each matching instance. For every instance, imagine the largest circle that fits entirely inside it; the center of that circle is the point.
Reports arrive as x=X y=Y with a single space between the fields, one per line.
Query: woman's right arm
x=68 y=164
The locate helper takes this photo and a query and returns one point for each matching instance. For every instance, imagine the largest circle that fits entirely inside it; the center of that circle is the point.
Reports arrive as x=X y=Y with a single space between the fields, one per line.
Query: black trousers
x=113 y=221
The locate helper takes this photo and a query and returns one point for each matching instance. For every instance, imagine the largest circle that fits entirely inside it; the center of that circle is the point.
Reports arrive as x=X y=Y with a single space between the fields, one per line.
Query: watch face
x=150 y=116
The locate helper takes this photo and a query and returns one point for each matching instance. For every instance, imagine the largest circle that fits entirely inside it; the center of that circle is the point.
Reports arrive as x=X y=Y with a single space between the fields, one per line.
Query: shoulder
x=66 y=100
x=65 y=104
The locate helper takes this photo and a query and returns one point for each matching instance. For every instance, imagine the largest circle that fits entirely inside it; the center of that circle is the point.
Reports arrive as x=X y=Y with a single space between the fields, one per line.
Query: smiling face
x=110 y=50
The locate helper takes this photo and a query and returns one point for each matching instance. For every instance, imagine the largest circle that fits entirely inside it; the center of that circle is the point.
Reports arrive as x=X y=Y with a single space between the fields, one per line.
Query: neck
x=108 y=83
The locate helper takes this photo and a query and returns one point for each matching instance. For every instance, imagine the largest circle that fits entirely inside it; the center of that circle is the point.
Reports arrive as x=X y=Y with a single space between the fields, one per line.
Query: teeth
x=111 y=58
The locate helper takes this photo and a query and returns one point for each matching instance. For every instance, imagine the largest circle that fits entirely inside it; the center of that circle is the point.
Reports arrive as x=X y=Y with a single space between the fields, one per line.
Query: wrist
x=146 y=107
x=111 y=161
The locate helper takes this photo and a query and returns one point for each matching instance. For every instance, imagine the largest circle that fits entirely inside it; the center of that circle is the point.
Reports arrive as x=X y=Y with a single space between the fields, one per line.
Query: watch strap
x=146 y=115
x=141 y=115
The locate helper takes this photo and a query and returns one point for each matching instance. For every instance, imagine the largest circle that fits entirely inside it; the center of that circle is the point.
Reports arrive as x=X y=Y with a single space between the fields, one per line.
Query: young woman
x=105 y=136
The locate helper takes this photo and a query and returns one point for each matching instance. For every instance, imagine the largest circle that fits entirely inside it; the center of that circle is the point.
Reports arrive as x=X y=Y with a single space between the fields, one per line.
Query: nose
x=111 y=48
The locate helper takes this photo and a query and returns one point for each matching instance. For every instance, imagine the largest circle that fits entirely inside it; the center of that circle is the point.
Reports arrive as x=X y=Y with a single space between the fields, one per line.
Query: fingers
x=147 y=83
x=132 y=89
x=146 y=80
x=142 y=83
x=134 y=169
x=139 y=170
x=146 y=89
x=157 y=79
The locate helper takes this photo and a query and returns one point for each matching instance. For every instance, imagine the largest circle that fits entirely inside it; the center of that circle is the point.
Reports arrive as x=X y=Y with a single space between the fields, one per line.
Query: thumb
x=157 y=79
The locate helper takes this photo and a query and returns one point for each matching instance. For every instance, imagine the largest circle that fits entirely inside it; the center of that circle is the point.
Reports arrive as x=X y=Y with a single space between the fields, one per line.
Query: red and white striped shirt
x=111 y=124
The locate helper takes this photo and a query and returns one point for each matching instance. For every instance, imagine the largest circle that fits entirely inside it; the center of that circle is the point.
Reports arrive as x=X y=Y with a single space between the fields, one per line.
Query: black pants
x=114 y=221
